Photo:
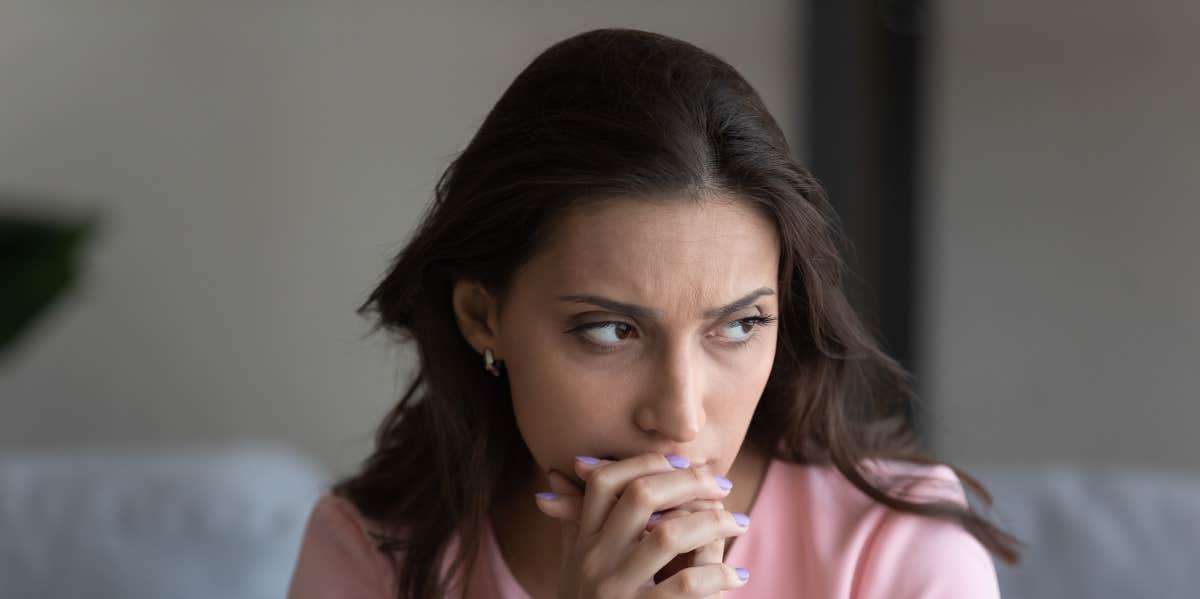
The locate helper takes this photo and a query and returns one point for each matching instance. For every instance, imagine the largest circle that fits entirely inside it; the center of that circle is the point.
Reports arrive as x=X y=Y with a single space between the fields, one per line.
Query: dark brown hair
x=603 y=114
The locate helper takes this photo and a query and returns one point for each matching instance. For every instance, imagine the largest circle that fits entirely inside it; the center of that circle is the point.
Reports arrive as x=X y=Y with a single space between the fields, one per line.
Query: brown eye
x=607 y=333
x=739 y=330
x=743 y=330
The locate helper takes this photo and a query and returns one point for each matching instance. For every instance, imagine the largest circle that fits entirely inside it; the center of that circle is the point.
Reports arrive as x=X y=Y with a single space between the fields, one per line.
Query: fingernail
x=741 y=519
x=742 y=573
x=723 y=482
x=655 y=516
x=547 y=496
x=678 y=462
x=587 y=460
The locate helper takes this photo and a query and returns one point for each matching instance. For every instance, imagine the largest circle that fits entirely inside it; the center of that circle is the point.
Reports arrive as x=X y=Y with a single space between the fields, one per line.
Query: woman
x=633 y=342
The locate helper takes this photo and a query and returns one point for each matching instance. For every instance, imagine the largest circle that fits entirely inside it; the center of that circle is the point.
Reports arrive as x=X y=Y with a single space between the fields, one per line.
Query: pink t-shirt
x=812 y=535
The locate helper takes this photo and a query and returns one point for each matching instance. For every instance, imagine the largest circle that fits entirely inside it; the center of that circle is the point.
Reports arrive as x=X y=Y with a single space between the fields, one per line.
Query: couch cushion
x=186 y=523
x=1101 y=533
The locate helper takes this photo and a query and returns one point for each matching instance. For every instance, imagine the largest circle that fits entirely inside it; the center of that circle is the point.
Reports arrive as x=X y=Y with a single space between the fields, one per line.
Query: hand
x=713 y=553
x=571 y=499
x=611 y=547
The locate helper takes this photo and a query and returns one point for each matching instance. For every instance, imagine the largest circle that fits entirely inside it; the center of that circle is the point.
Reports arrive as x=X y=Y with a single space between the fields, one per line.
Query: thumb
x=566 y=489
x=564 y=503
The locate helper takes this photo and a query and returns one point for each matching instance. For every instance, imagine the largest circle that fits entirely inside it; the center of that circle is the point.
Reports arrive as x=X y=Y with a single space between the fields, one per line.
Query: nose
x=674 y=405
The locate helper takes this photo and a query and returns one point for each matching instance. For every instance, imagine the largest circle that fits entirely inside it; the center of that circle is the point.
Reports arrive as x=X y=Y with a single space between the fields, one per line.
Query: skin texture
x=674 y=384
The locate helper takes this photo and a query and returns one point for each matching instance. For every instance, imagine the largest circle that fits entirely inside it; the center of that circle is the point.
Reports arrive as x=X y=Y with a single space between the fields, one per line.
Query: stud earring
x=489 y=362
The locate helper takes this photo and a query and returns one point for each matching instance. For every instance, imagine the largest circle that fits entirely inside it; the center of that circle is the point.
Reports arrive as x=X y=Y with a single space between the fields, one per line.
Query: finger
x=679 y=535
x=683 y=510
x=569 y=500
x=559 y=506
x=606 y=482
x=712 y=553
x=562 y=502
x=559 y=483
x=656 y=492
x=698 y=581
x=585 y=466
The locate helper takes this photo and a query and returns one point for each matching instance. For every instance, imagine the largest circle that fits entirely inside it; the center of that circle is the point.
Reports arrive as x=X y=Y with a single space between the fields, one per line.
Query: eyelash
x=760 y=322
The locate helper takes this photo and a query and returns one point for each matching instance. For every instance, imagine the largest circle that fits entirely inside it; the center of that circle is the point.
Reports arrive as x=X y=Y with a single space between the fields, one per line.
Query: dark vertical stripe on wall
x=866 y=76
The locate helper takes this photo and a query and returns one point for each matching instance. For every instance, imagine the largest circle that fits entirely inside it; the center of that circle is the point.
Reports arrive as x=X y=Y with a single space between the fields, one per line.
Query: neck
x=530 y=541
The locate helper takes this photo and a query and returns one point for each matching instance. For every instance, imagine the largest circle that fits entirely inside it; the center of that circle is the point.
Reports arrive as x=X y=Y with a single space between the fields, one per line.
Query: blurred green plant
x=39 y=263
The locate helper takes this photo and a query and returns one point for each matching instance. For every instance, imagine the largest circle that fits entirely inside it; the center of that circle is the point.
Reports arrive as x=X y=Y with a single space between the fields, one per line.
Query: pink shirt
x=812 y=534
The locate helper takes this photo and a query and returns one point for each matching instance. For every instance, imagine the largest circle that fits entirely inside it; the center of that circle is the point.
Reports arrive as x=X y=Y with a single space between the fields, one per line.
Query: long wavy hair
x=612 y=113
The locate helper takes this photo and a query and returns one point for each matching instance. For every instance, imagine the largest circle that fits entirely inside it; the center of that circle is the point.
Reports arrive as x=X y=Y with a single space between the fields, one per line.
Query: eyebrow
x=642 y=312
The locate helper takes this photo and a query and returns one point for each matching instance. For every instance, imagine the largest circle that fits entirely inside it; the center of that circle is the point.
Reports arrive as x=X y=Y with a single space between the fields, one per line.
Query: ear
x=478 y=317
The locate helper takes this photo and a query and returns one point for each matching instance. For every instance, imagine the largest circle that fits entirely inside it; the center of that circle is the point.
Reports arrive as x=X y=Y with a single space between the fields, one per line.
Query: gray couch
x=226 y=523
x=1098 y=533
x=199 y=523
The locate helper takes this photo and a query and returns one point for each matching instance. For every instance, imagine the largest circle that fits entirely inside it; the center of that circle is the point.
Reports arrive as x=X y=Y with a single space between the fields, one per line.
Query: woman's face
x=636 y=330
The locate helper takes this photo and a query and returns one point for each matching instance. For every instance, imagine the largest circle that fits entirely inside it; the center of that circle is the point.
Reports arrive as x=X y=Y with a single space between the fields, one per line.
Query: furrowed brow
x=644 y=313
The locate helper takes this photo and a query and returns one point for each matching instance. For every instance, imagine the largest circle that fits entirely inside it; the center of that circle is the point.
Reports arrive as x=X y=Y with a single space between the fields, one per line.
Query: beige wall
x=1063 y=299
x=258 y=163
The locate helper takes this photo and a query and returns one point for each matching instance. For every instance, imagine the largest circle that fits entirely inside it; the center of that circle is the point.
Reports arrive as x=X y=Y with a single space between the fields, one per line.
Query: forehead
x=667 y=254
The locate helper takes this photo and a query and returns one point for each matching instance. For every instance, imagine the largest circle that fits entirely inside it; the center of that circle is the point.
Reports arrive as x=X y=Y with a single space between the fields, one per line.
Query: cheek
x=563 y=401
x=558 y=404
x=741 y=384
x=742 y=375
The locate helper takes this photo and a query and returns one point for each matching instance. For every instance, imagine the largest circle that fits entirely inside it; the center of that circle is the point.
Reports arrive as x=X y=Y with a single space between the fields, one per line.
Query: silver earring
x=489 y=362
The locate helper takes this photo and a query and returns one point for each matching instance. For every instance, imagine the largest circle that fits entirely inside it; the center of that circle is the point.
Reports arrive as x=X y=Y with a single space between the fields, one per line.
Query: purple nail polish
x=742 y=573
x=655 y=516
x=723 y=482
x=547 y=496
x=678 y=462
x=587 y=460
x=741 y=519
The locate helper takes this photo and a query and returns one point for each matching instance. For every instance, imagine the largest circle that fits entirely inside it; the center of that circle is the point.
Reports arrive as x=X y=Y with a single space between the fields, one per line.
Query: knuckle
x=642 y=493
x=730 y=575
x=690 y=581
x=666 y=536
x=591 y=569
x=603 y=479
x=718 y=518
x=607 y=589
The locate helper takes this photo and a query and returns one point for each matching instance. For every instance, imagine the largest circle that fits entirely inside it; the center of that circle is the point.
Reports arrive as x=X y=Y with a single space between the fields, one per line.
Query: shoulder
x=891 y=553
x=338 y=556
x=828 y=488
x=910 y=555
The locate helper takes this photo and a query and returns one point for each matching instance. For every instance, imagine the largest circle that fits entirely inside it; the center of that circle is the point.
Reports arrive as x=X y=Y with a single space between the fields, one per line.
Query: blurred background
x=195 y=196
